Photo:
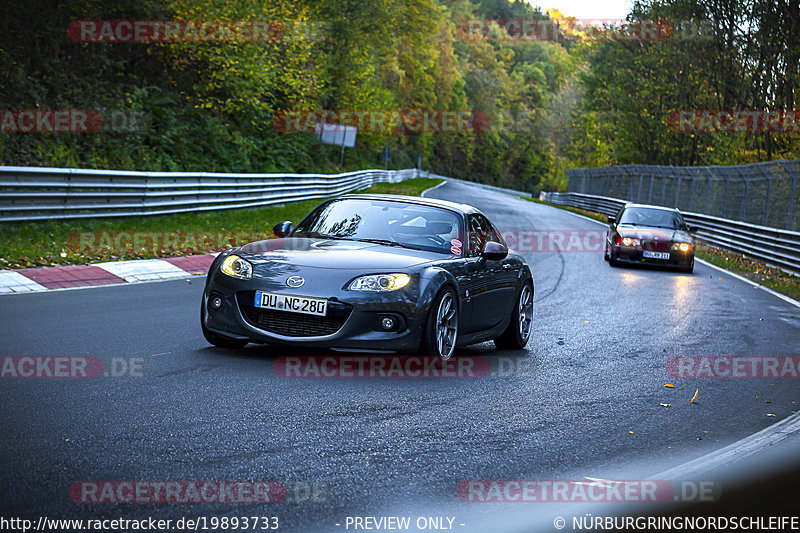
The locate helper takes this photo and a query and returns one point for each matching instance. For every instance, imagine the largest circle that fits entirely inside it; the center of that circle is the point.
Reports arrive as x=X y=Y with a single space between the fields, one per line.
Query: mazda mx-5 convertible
x=373 y=272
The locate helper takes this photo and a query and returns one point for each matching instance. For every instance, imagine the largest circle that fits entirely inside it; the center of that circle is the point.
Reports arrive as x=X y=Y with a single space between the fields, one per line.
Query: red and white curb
x=110 y=273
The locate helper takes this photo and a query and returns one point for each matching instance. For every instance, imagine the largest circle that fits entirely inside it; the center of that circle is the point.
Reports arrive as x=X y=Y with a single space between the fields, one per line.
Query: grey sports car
x=373 y=272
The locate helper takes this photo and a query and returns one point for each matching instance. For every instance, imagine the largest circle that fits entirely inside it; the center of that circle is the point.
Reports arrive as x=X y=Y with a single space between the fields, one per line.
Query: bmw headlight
x=682 y=246
x=627 y=241
x=379 y=282
x=236 y=267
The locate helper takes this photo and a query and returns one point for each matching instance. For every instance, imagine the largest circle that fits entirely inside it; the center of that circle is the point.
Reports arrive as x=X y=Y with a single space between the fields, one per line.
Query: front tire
x=518 y=332
x=216 y=339
x=441 y=329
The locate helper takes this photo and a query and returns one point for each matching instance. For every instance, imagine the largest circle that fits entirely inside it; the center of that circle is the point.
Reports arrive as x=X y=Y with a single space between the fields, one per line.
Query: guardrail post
x=67 y=189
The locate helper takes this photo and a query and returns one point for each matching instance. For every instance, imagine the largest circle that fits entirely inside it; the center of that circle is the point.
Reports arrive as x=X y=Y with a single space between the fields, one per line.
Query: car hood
x=338 y=254
x=654 y=234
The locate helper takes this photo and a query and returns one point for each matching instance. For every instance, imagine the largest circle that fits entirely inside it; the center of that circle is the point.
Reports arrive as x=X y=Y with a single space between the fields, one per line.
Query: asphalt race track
x=582 y=401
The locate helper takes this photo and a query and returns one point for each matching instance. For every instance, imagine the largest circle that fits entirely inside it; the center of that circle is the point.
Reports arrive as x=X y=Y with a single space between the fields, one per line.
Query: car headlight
x=236 y=267
x=627 y=241
x=682 y=246
x=380 y=282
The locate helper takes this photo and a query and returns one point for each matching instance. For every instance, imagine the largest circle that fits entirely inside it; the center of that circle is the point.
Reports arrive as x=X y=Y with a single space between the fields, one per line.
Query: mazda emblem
x=295 y=281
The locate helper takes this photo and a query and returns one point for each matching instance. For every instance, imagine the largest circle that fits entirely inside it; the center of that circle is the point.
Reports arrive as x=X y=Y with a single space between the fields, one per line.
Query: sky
x=582 y=9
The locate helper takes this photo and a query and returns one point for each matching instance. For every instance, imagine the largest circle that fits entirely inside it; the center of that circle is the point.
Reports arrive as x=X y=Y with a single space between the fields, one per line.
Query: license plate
x=294 y=304
x=656 y=255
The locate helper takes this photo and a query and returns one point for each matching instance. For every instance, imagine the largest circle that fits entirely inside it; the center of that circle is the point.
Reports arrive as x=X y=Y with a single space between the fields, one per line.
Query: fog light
x=387 y=323
x=215 y=302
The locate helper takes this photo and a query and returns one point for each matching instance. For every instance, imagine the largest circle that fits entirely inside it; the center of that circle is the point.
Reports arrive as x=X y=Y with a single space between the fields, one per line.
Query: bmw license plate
x=656 y=255
x=295 y=304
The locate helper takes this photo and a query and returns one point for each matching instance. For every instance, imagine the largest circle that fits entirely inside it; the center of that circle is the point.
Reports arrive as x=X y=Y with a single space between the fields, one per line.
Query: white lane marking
x=719 y=268
x=143 y=270
x=426 y=191
x=751 y=282
x=11 y=281
x=111 y=285
x=757 y=442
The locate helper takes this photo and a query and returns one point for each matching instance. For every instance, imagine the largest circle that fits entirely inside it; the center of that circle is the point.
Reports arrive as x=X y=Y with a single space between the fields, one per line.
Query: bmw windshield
x=653 y=218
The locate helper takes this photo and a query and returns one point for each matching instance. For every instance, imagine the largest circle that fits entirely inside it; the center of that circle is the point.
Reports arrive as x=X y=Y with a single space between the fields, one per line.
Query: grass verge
x=747 y=267
x=79 y=242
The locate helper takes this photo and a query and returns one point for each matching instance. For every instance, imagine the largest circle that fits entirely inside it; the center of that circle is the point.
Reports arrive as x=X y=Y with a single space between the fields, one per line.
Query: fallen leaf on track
x=696 y=394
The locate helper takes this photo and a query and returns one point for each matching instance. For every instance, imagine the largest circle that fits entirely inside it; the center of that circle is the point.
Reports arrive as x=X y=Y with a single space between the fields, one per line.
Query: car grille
x=656 y=246
x=291 y=324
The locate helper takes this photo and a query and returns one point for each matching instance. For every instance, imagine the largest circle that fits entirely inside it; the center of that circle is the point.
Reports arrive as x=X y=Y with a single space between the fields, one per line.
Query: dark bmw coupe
x=651 y=235
x=373 y=272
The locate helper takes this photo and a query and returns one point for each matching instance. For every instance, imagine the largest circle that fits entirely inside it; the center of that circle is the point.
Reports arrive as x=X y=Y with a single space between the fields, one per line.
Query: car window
x=649 y=217
x=411 y=225
x=481 y=231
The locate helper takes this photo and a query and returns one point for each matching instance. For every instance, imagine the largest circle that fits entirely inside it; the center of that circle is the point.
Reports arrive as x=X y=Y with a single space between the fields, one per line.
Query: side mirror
x=494 y=251
x=283 y=229
x=691 y=229
x=612 y=219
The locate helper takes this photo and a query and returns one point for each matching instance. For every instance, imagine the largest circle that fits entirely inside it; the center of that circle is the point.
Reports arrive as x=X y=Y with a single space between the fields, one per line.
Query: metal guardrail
x=29 y=193
x=777 y=247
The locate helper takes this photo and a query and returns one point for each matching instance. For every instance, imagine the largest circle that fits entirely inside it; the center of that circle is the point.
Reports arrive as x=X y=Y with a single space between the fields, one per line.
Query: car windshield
x=385 y=222
x=654 y=218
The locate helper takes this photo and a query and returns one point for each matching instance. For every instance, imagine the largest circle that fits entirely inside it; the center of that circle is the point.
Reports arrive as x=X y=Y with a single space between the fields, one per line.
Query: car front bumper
x=353 y=320
x=677 y=259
